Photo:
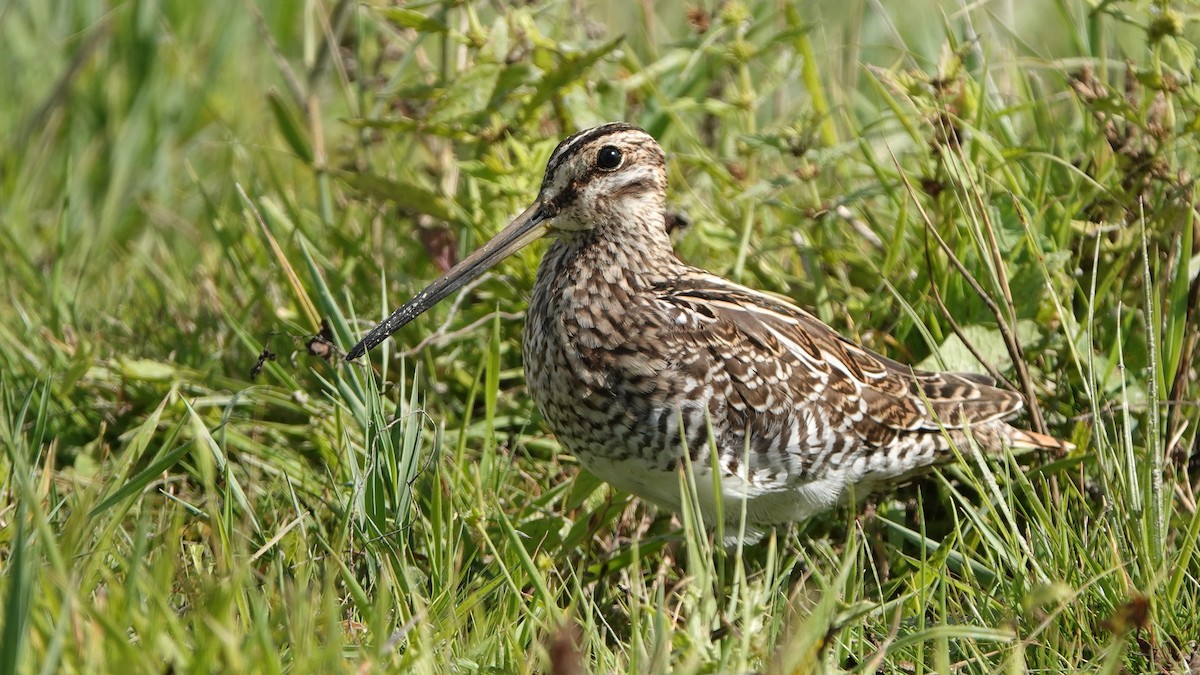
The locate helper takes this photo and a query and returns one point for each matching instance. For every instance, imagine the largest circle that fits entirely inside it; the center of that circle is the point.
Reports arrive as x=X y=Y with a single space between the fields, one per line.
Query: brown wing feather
x=893 y=398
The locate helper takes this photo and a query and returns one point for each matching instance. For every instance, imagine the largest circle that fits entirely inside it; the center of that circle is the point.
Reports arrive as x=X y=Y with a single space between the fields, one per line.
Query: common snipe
x=635 y=358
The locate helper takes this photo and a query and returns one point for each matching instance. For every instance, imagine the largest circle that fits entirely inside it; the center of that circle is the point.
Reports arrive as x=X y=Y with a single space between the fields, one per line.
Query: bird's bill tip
x=531 y=225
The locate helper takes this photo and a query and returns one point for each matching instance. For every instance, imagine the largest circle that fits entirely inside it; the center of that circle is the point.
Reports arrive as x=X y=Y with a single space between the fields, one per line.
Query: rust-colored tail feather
x=1031 y=440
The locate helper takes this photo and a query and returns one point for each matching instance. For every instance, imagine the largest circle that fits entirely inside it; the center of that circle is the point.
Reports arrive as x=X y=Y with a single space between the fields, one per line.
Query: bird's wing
x=771 y=352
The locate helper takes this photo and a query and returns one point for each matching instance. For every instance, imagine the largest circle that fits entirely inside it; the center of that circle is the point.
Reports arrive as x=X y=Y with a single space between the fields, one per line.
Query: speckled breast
x=577 y=365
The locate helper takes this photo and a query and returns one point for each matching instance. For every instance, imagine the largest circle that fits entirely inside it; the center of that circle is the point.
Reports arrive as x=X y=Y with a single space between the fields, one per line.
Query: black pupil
x=609 y=157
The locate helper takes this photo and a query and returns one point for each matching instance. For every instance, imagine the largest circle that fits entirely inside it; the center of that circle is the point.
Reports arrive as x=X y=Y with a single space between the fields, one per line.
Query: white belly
x=764 y=505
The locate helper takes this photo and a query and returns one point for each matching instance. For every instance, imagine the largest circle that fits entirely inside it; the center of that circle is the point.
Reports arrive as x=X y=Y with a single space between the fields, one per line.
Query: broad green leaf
x=405 y=195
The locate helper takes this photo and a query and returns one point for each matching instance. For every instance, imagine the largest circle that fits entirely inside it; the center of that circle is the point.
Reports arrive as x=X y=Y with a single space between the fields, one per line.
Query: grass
x=190 y=195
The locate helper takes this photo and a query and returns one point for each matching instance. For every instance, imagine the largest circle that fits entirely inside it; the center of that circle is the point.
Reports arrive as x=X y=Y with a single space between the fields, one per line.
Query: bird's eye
x=609 y=157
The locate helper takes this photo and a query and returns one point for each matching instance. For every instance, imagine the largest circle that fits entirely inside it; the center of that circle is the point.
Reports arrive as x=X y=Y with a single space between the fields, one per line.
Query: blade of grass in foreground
x=17 y=605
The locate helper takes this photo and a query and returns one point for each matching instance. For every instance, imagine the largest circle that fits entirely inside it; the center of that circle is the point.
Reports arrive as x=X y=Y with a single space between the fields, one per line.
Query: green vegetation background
x=190 y=192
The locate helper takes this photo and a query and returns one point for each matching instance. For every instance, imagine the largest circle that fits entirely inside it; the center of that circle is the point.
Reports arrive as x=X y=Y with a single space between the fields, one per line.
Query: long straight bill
x=530 y=225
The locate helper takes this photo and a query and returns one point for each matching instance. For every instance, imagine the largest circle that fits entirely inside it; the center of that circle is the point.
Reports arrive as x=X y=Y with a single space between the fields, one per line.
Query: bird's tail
x=1031 y=440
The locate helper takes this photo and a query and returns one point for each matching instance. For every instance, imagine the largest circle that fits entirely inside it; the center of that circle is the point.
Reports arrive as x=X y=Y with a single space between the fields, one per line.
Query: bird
x=642 y=365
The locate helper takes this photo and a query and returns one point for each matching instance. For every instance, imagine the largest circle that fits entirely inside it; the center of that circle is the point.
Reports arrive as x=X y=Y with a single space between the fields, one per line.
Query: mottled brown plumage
x=636 y=359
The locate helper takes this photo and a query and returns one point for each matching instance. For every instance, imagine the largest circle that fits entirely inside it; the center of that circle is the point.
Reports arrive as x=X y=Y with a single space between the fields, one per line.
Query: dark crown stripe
x=580 y=140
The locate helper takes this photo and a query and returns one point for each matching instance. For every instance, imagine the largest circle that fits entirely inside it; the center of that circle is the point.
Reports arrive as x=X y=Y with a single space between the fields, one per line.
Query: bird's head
x=596 y=180
x=602 y=177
